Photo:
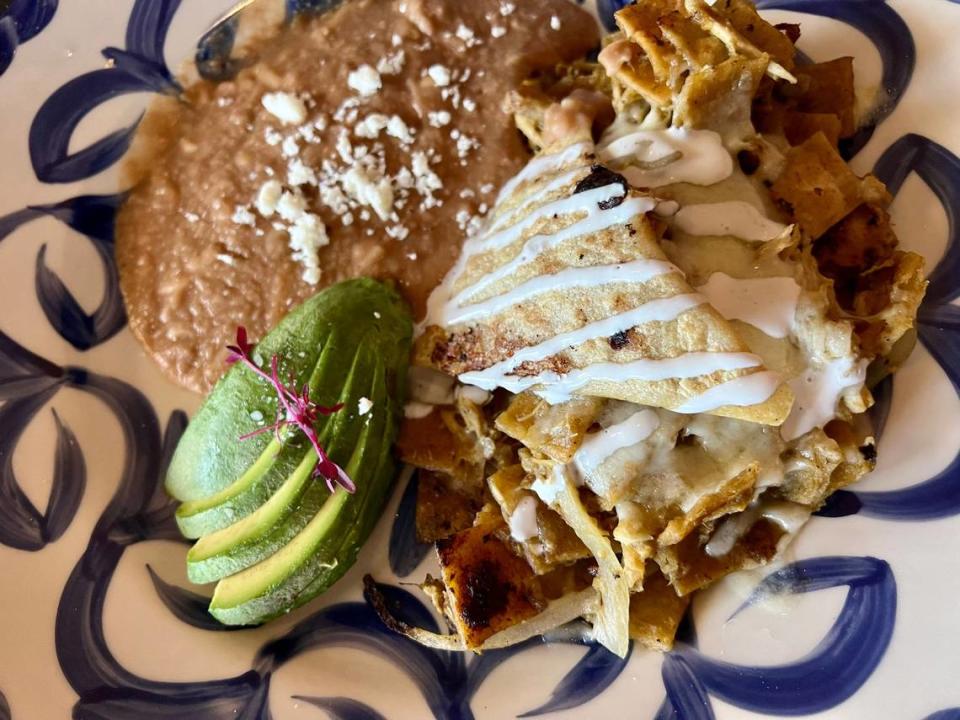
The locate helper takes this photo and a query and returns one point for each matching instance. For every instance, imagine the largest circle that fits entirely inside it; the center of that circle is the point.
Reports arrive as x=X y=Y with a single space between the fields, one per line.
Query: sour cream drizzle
x=662 y=157
x=599 y=446
x=768 y=304
x=638 y=271
x=817 y=392
x=544 y=165
x=735 y=217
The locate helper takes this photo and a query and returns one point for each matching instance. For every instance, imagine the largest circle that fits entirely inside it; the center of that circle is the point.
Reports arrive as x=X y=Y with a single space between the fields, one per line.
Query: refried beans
x=393 y=148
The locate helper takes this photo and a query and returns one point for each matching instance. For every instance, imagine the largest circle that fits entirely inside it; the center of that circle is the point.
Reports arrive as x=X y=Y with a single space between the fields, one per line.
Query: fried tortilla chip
x=554 y=430
x=488 y=588
x=656 y=613
x=817 y=188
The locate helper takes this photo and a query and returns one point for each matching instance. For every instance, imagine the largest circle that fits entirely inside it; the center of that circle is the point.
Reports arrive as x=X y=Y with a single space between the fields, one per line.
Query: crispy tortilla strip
x=612 y=620
x=656 y=613
x=488 y=587
x=798 y=127
x=556 y=543
x=720 y=98
x=640 y=23
x=554 y=615
x=554 y=430
x=808 y=464
x=738 y=26
x=439 y=442
x=688 y=567
x=441 y=510
x=732 y=496
x=816 y=188
x=828 y=89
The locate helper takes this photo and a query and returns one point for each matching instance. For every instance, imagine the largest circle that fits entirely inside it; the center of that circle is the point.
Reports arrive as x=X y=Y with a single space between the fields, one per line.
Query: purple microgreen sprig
x=296 y=410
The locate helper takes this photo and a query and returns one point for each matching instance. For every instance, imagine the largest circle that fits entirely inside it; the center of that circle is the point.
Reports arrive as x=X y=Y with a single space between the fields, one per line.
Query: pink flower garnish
x=296 y=409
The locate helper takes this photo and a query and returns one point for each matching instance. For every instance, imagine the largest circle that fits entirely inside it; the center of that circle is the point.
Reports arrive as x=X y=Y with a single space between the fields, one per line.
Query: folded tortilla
x=568 y=293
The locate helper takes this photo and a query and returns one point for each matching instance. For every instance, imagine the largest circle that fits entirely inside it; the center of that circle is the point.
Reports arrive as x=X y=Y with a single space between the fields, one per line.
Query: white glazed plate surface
x=97 y=619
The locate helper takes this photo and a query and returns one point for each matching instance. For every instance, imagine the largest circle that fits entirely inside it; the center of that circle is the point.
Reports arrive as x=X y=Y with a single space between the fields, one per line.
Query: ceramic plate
x=97 y=619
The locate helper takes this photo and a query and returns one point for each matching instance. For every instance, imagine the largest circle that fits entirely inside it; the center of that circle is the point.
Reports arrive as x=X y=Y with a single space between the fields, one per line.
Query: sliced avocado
x=291 y=507
x=209 y=457
x=324 y=550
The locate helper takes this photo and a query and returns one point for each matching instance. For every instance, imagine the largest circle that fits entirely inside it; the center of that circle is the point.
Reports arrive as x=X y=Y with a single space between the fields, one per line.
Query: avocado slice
x=326 y=548
x=270 y=531
x=209 y=458
x=270 y=527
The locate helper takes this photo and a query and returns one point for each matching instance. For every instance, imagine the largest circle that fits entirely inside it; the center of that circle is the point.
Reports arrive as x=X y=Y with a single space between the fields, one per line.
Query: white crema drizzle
x=599 y=446
x=769 y=304
x=653 y=158
x=544 y=165
x=735 y=217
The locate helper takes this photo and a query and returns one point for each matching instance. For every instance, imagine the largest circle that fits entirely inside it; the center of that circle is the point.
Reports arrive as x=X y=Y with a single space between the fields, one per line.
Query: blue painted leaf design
x=888 y=32
x=606 y=9
x=687 y=698
x=406 y=552
x=30 y=16
x=8 y=42
x=940 y=170
x=93 y=216
x=839 y=664
x=147 y=28
x=592 y=674
x=69 y=482
x=341 y=708
x=21 y=20
x=139 y=68
x=58 y=117
x=948 y=714
x=188 y=607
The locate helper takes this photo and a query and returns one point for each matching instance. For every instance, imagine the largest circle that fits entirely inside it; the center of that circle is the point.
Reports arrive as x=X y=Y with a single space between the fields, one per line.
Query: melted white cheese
x=769 y=304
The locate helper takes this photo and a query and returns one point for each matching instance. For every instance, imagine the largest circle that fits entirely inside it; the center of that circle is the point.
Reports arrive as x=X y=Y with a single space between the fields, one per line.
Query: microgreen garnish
x=296 y=409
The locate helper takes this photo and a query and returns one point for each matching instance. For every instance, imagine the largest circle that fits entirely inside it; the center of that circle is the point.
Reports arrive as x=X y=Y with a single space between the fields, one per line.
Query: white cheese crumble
x=363 y=405
x=243 y=216
x=291 y=206
x=439 y=119
x=498 y=31
x=469 y=104
x=439 y=74
x=467 y=35
x=366 y=190
x=555 y=22
x=507 y=8
x=191 y=217
x=272 y=136
x=391 y=64
x=267 y=197
x=371 y=126
x=286 y=107
x=365 y=80
x=290 y=147
x=307 y=235
x=397 y=128
x=300 y=174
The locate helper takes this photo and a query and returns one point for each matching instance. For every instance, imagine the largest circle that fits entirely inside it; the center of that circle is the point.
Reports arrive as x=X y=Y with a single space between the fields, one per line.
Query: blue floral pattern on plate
x=139 y=511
